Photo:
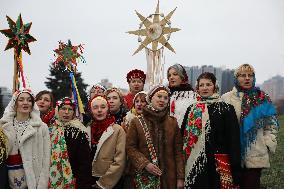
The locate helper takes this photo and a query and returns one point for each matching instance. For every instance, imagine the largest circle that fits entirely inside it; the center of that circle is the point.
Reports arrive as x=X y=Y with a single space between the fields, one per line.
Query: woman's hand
x=180 y=183
x=153 y=169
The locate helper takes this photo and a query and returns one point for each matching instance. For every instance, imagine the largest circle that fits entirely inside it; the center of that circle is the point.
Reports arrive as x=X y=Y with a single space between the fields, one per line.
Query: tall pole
x=15 y=77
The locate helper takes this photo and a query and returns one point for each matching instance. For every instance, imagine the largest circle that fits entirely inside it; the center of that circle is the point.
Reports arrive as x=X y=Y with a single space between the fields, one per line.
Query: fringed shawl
x=257 y=111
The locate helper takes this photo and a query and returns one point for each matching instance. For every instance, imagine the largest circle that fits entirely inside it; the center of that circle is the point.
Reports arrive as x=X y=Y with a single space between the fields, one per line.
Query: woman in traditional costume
x=258 y=125
x=94 y=91
x=45 y=102
x=107 y=145
x=70 y=151
x=139 y=102
x=182 y=94
x=154 y=145
x=210 y=135
x=28 y=142
x=116 y=104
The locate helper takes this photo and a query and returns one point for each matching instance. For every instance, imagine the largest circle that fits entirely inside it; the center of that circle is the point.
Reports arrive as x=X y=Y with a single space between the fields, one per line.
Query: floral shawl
x=257 y=111
x=195 y=134
x=60 y=169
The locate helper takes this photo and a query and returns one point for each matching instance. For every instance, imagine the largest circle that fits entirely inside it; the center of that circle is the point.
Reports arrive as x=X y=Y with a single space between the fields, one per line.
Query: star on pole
x=156 y=31
x=18 y=34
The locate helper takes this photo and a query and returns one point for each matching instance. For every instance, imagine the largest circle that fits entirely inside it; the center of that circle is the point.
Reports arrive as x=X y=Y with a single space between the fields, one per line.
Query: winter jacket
x=257 y=155
x=34 y=147
x=167 y=142
x=110 y=157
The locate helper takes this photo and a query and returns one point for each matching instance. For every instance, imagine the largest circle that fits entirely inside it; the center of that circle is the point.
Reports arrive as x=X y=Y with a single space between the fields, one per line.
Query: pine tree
x=60 y=84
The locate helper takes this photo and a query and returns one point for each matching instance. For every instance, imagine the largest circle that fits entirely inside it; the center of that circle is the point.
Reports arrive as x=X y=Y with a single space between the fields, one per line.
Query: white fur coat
x=34 y=148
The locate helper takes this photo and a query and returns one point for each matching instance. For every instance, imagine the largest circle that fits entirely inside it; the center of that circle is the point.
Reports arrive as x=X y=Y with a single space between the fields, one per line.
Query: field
x=273 y=178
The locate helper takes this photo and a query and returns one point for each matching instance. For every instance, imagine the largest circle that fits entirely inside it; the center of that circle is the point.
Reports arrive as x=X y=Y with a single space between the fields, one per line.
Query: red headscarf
x=99 y=127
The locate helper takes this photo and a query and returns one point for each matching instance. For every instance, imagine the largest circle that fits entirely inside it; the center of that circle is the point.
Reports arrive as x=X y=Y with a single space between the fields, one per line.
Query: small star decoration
x=68 y=54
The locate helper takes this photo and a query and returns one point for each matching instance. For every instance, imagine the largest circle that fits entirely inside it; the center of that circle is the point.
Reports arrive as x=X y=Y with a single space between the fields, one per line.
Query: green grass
x=273 y=178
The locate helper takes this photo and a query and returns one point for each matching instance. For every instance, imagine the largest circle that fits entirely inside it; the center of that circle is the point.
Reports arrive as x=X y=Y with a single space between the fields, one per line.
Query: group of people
x=170 y=137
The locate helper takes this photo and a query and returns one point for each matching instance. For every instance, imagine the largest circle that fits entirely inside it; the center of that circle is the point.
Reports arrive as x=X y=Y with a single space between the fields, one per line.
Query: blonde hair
x=244 y=67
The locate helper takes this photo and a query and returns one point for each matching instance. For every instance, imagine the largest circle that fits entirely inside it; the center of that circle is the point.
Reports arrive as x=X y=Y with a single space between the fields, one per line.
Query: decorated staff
x=68 y=55
x=156 y=34
x=19 y=38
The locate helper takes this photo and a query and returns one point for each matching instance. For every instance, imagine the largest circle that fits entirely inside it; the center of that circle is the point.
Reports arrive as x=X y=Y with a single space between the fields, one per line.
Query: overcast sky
x=222 y=33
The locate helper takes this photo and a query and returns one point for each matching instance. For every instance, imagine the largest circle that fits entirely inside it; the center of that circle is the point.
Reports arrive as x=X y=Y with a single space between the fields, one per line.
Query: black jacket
x=224 y=138
x=79 y=156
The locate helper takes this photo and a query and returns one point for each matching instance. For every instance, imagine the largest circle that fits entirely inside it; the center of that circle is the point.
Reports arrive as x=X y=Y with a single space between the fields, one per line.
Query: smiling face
x=114 y=102
x=160 y=100
x=66 y=113
x=140 y=103
x=24 y=103
x=136 y=85
x=99 y=109
x=245 y=79
x=206 y=87
x=44 y=103
x=174 y=78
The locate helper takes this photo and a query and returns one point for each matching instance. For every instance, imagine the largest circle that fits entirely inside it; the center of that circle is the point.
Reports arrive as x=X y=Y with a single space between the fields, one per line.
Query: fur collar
x=154 y=115
x=106 y=134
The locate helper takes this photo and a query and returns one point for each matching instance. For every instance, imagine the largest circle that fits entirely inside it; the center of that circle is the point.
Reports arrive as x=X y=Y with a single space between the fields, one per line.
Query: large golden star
x=155 y=31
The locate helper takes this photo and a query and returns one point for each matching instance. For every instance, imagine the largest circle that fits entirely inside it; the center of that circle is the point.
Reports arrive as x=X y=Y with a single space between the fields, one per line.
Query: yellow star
x=155 y=30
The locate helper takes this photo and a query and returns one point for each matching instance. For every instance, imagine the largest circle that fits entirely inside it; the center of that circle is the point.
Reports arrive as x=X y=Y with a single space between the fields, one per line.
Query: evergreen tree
x=60 y=84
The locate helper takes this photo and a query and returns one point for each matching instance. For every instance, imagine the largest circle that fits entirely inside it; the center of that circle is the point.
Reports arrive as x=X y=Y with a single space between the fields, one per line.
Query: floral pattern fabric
x=193 y=128
x=60 y=169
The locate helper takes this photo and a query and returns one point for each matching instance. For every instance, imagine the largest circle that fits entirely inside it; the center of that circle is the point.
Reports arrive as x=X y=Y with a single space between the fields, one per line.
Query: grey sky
x=213 y=32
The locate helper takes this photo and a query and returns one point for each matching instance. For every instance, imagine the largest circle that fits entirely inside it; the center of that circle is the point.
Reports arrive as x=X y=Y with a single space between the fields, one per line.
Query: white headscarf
x=10 y=110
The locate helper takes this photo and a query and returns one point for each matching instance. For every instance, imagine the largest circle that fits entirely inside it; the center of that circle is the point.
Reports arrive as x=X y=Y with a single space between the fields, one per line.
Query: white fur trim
x=182 y=100
x=98 y=183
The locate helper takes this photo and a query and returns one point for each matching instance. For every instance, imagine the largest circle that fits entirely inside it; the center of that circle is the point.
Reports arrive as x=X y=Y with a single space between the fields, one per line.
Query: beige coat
x=258 y=154
x=110 y=157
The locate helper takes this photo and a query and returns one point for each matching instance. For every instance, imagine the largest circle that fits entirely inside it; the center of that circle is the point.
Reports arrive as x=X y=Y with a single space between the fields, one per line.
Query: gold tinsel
x=3 y=146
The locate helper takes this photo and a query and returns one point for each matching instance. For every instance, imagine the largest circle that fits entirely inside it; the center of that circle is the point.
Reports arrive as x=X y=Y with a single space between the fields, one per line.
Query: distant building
x=5 y=96
x=274 y=87
x=225 y=78
x=227 y=81
x=106 y=83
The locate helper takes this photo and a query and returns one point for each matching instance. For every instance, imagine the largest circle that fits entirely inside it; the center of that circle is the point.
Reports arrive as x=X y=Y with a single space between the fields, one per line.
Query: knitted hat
x=154 y=90
x=181 y=72
x=134 y=74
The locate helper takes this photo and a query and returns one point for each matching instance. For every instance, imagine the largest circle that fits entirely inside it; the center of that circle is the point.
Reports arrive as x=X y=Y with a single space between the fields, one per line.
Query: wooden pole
x=15 y=77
